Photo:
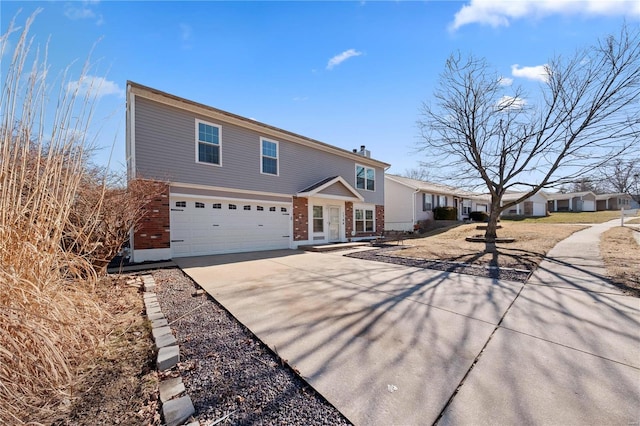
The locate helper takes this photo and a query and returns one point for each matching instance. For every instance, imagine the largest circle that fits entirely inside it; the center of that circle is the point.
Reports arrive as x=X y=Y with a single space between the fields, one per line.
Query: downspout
x=413 y=212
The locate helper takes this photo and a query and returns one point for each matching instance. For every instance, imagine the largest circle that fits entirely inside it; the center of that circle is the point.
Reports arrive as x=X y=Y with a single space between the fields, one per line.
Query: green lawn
x=569 y=217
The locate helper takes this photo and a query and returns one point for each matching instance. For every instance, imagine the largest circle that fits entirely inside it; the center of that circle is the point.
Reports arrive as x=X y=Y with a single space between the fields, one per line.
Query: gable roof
x=612 y=195
x=431 y=187
x=182 y=103
x=567 y=195
x=317 y=188
x=514 y=195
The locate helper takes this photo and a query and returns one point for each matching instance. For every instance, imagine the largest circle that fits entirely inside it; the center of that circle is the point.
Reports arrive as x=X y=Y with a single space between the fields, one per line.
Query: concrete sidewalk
x=388 y=344
x=567 y=351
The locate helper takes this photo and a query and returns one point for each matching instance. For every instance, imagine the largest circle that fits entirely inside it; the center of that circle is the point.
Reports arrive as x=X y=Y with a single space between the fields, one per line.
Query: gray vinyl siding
x=337 y=189
x=165 y=149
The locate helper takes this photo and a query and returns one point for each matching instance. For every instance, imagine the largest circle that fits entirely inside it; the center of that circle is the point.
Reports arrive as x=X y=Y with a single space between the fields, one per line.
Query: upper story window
x=268 y=157
x=365 y=178
x=208 y=143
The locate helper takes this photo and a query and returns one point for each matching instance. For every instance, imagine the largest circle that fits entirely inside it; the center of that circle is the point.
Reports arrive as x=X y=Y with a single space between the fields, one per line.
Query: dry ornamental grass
x=52 y=321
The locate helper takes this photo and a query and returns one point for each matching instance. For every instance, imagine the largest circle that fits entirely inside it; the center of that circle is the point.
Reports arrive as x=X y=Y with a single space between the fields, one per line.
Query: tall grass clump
x=48 y=317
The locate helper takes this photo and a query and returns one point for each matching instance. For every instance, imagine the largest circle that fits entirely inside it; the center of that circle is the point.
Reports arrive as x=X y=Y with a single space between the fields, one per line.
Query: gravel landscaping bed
x=227 y=371
x=385 y=254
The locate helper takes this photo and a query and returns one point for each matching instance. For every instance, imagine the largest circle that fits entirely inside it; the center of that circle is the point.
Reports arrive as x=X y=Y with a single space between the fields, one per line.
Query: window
x=268 y=157
x=283 y=209
x=318 y=220
x=364 y=220
x=199 y=205
x=272 y=209
x=247 y=207
x=259 y=208
x=426 y=202
x=207 y=143
x=181 y=204
x=217 y=206
x=232 y=207
x=365 y=178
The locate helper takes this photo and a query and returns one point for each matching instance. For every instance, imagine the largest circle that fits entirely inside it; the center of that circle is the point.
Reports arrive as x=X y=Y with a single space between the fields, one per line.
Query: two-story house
x=234 y=184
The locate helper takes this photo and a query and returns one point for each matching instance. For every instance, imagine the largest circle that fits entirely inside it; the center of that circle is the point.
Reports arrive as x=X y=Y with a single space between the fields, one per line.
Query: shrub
x=422 y=226
x=479 y=216
x=103 y=213
x=445 y=213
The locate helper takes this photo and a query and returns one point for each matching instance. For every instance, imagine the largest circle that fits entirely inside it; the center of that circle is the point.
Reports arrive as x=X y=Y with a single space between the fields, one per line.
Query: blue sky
x=345 y=73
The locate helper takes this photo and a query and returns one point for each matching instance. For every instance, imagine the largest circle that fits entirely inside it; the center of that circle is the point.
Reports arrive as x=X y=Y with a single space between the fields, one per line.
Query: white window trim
x=262 y=139
x=365 y=178
x=364 y=208
x=197 y=131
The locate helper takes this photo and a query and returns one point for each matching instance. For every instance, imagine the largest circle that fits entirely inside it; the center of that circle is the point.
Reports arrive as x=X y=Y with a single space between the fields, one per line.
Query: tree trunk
x=492 y=225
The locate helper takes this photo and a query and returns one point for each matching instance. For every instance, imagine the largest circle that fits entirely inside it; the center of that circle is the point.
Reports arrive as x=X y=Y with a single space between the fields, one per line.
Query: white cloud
x=505 y=81
x=95 y=86
x=338 y=59
x=509 y=102
x=538 y=72
x=497 y=13
x=83 y=10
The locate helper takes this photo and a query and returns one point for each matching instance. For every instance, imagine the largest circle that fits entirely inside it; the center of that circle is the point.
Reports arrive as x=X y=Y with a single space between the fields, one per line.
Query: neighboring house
x=234 y=184
x=613 y=201
x=536 y=205
x=571 y=202
x=408 y=201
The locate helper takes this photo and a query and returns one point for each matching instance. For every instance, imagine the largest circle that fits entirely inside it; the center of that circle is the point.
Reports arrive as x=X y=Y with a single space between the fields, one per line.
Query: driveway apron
x=386 y=344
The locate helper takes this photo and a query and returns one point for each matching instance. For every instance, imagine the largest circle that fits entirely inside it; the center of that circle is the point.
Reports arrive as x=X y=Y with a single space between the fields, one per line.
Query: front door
x=334 y=223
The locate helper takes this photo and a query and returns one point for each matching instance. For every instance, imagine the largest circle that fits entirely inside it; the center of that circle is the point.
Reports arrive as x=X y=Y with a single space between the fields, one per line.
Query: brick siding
x=300 y=218
x=153 y=231
x=379 y=219
x=348 y=218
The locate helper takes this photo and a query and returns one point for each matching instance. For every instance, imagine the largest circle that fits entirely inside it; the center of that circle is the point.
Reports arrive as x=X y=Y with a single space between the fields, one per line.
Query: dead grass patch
x=119 y=385
x=569 y=217
x=532 y=242
x=621 y=255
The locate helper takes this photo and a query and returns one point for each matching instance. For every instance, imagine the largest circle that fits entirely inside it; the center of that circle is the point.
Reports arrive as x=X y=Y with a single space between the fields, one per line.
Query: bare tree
x=493 y=135
x=620 y=175
x=588 y=184
x=418 y=173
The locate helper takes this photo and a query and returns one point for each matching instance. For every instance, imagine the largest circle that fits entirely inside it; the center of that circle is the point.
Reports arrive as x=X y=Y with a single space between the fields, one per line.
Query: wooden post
x=621 y=216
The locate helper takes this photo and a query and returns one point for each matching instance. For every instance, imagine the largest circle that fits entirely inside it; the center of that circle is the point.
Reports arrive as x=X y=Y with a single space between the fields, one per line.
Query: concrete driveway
x=388 y=344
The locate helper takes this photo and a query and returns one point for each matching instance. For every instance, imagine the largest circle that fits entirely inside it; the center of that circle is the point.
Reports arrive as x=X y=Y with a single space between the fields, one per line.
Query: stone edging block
x=176 y=411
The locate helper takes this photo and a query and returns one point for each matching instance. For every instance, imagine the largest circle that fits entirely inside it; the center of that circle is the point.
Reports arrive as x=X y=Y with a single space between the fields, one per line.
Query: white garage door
x=539 y=209
x=588 y=206
x=206 y=226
